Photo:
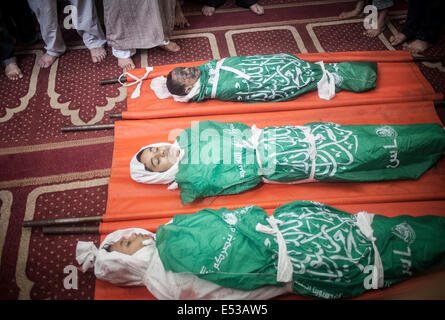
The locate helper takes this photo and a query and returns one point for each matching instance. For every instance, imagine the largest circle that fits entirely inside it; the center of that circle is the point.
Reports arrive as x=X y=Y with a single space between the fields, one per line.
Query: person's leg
x=430 y=27
x=180 y=19
x=210 y=6
x=7 y=48
x=89 y=28
x=124 y=58
x=412 y=23
x=358 y=10
x=252 y=5
x=381 y=25
x=383 y=7
x=46 y=13
x=22 y=19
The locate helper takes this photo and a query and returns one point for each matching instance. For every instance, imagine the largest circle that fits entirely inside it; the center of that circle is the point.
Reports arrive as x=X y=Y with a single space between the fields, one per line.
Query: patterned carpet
x=49 y=174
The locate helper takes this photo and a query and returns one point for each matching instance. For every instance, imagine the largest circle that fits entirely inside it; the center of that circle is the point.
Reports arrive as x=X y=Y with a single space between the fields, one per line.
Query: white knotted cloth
x=140 y=174
x=115 y=267
x=326 y=85
x=284 y=269
x=138 y=81
x=364 y=221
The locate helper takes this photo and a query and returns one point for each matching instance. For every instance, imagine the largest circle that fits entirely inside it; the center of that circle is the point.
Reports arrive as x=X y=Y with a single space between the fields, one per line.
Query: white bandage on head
x=140 y=174
x=115 y=267
x=159 y=86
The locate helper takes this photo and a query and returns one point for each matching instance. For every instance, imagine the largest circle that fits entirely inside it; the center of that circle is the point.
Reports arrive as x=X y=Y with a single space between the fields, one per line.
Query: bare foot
x=418 y=46
x=13 y=71
x=208 y=11
x=126 y=64
x=397 y=39
x=98 y=54
x=180 y=20
x=171 y=47
x=358 y=10
x=46 y=60
x=372 y=33
x=381 y=25
x=256 y=8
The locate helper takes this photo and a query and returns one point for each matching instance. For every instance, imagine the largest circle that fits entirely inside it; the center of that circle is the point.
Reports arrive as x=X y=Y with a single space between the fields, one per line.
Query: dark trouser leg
x=413 y=20
x=20 y=15
x=245 y=3
x=7 y=46
x=431 y=22
x=213 y=3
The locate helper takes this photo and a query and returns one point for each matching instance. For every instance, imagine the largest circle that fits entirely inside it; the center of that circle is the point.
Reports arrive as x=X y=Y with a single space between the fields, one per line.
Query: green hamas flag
x=277 y=77
x=334 y=254
x=227 y=158
x=220 y=246
x=333 y=152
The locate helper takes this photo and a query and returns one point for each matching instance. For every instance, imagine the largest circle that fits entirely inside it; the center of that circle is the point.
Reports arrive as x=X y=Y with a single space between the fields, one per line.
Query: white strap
x=237 y=72
x=138 y=81
x=312 y=150
x=216 y=79
x=253 y=142
x=326 y=85
x=284 y=270
x=364 y=221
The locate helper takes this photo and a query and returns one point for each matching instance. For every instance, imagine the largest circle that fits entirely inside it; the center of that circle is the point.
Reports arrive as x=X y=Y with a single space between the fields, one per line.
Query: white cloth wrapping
x=326 y=85
x=139 y=174
x=364 y=221
x=145 y=268
x=138 y=81
x=284 y=269
x=159 y=86
x=116 y=267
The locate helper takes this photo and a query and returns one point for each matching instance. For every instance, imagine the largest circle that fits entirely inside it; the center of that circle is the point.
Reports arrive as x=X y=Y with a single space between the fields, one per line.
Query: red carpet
x=49 y=174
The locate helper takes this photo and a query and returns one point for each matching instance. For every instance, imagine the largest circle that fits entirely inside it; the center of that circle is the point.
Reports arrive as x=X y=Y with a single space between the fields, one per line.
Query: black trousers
x=424 y=20
x=241 y=3
x=16 y=22
x=7 y=45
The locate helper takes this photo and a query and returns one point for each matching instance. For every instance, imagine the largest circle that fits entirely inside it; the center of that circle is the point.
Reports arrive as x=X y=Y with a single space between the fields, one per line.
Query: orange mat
x=129 y=200
x=427 y=286
x=399 y=79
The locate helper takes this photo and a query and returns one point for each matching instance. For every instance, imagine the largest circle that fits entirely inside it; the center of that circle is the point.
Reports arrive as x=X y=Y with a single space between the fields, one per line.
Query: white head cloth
x=115 y=267
x=140 y=174
x=159 y=86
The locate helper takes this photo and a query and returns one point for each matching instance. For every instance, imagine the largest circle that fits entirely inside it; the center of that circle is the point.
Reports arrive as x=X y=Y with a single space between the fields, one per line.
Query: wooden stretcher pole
x=112 y=81
x=70 y=230
x=88 y=127
x=53 y=222
x=116 y=115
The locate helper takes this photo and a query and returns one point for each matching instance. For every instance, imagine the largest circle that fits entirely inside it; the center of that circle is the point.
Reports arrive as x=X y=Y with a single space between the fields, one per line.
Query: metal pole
x=88 y=127
x=52 y=222
x=70 y=230
x=112 y=81
x=116 y=115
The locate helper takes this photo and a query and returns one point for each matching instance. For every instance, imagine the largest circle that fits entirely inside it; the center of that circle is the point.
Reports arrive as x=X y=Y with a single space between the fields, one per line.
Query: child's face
x=130 y=245
x=186 y=76
x=159 y=159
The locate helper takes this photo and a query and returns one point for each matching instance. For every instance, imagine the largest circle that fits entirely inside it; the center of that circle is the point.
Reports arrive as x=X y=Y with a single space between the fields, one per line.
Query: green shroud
x=219 y=158
x=277 y=77
x=331 y=257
